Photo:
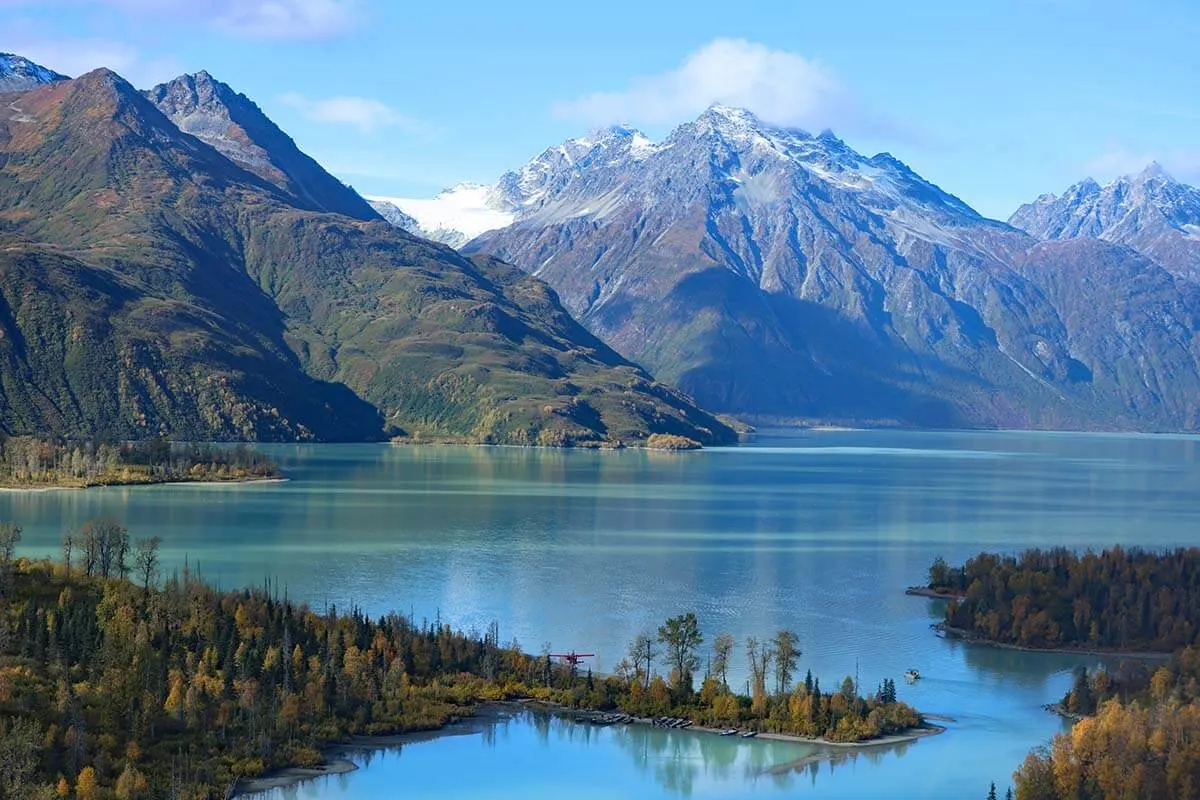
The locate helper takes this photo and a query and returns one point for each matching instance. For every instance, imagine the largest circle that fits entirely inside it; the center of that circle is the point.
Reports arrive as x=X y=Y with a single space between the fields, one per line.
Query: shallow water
x=537 y=755
x=817 y=531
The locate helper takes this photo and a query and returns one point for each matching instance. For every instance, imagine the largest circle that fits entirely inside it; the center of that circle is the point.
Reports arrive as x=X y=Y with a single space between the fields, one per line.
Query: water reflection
x=635 y=760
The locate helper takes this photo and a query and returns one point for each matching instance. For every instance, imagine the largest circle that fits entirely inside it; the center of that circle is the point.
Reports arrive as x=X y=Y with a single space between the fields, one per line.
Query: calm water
x=815 y=531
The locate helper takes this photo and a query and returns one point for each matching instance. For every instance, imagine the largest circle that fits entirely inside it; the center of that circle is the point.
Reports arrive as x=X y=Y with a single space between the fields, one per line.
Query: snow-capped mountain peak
x=1148 y=210
x=1154 y=171
x=729 y=117
x=589 y=177
x=19 y=74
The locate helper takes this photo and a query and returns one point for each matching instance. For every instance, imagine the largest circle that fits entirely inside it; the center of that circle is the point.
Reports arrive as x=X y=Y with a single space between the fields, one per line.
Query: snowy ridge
x=19 y=74
x=592 y=176
x=1150 y=212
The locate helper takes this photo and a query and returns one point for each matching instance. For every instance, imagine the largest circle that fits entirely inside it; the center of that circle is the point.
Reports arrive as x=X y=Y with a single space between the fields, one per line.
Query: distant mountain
x=1151 y=212
x=216 y=114
x=769 y=271
x=465 y=211
x=152 y=283
x=19 y=74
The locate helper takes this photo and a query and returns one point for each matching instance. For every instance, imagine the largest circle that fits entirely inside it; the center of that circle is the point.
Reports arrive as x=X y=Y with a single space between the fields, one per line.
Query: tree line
x=115 y=683
x=775 y=701
x=35 y=461
x=118 y=683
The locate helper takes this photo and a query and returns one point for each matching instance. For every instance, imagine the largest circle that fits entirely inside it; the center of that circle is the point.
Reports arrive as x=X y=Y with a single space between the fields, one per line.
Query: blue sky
x=994 y=101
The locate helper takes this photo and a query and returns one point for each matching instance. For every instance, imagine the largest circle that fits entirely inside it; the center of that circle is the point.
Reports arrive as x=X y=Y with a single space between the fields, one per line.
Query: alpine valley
x=172 y=264
x=774 y=273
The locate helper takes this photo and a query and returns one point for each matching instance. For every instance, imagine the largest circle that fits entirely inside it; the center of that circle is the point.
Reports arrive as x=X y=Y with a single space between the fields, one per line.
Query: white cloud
x=261 y=19
x=365 y=113
x=777 y=85
x=74 y=57
x=1183 y=164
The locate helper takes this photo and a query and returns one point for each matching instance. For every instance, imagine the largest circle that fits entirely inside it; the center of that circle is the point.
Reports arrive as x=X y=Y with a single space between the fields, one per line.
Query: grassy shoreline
x=181 y=481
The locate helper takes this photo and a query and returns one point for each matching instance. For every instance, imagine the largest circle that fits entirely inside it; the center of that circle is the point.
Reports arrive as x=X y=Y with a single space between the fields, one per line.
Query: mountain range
x=1151 y=212
x=171 y=263
x=769 y=271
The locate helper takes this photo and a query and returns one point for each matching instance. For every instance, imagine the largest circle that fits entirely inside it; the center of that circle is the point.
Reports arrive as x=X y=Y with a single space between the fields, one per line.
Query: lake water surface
x=816 y=531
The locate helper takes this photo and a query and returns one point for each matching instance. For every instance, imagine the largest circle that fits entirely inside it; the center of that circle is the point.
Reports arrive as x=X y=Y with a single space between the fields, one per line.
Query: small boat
x=749 y=734
x=728 y=732
x=912 y=675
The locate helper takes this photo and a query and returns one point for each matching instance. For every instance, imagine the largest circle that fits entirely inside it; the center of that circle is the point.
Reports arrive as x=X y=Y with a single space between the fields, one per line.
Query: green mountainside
x=150 y=285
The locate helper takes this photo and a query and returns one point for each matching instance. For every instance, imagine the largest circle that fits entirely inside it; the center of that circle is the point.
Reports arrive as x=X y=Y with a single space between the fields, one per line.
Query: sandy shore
x=922 y=732
x=237 y=482
x=882 y=741
x=841 y=750
x=820 y=741
x=291 y=776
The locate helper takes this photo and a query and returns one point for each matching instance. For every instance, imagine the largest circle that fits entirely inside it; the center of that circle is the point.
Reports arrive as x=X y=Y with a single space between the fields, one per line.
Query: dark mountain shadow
x=775 y=355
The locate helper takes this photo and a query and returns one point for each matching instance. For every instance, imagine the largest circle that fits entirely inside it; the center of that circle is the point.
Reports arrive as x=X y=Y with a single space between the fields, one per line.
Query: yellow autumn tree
x=131 y=785
x=85 y=785
x=175 y=697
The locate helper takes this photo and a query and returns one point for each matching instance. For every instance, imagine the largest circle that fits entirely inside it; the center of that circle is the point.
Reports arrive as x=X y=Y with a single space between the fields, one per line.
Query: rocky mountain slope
x=153 y=283
x=774 y=272
x=217 y=115
x=1151 y=212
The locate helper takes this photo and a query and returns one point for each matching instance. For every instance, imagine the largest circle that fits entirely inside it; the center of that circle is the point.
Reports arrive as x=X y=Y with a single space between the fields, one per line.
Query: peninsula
x=29 y=462
x=113 y=682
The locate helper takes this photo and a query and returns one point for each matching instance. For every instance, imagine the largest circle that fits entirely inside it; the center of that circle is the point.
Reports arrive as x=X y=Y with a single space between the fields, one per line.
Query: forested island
x=28 y=462
x=115 y=683
x=1124 y=600
x=1137 y=725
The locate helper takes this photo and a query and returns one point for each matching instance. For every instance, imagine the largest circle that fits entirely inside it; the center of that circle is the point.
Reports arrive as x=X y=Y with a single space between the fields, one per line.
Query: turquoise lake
x=815 y=531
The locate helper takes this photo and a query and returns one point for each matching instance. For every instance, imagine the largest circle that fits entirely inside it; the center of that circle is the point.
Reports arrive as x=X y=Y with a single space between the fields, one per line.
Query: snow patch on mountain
x=456 y=215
